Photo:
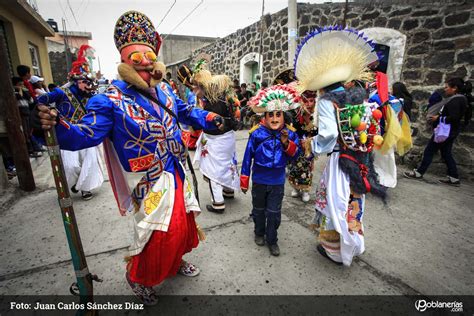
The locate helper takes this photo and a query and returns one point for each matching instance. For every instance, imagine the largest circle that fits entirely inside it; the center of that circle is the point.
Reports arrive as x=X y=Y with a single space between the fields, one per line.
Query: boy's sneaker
x=274 y=250
x=295 y=193
x=450 y=181
x=259 y=240
x=305 y=197
x=414 y=174
x=188 y=269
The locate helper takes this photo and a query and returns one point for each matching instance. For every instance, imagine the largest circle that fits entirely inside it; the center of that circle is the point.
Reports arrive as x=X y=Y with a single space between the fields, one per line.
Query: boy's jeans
x=266 y=212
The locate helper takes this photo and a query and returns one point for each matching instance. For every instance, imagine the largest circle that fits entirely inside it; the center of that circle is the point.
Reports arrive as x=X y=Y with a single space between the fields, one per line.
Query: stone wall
x=438 y=46
x=59 y=66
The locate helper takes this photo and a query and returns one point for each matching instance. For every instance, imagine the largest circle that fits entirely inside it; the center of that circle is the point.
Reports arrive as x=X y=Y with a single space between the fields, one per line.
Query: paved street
x=420 y=243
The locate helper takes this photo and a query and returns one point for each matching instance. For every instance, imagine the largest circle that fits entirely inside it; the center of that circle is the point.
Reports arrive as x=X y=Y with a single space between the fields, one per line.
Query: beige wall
x=75 y=42
x=18 y=44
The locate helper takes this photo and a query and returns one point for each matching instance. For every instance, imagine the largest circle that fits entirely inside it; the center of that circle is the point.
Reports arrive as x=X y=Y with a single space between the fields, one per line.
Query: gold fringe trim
x=201 y=234
x=254 y=128
x=329 y=235
x=314 y=227
x=291 y=128
x=307 y=147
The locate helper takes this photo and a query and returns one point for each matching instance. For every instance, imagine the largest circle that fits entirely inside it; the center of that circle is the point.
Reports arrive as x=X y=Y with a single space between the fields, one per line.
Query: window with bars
x=35 y=61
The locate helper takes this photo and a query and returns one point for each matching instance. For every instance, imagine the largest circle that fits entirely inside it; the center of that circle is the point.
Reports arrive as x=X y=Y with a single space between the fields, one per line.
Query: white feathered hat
x=333 y=54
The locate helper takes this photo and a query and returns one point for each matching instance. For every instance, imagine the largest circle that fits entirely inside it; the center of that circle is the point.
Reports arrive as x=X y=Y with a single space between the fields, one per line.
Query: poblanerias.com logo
x=423 y=305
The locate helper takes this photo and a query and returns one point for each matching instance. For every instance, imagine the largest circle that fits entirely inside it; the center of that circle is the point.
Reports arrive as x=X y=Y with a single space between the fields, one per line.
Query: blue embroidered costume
x=144 y=136
x=82 y=167
x=270 y=146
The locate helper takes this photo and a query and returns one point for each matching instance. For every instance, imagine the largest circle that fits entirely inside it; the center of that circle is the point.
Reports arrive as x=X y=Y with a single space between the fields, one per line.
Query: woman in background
x=453 y=112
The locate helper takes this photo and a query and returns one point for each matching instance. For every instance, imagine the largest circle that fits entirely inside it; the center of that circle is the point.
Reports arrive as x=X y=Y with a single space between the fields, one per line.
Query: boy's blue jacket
x=265 y=151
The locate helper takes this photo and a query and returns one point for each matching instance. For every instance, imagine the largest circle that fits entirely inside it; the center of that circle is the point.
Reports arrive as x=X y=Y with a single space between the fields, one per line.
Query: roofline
x=178 y=62
x=87 y=35
x=23 y=10
x=177 y=36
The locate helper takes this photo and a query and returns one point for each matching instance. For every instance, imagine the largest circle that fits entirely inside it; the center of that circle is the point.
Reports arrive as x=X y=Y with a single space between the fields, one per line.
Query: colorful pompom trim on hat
x=275 y=98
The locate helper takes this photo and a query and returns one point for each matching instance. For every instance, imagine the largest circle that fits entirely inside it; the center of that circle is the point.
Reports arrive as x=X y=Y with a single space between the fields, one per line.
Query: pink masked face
x=274 y=120
x=141 y=57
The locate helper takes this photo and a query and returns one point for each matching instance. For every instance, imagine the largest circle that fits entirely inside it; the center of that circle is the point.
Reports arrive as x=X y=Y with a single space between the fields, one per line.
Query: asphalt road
x=421 y=242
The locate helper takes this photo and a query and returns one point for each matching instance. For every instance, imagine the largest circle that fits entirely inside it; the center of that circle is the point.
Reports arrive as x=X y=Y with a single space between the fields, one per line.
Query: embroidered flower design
x=321 y=198
x=152 y=201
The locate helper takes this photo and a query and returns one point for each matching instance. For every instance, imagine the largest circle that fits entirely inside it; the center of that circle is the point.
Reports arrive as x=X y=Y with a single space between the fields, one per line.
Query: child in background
x=300 y=170
x=271 y=144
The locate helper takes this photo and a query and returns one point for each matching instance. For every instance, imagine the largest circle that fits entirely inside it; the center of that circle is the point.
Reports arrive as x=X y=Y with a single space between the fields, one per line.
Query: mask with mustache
x=142 y=73
x=274 y=120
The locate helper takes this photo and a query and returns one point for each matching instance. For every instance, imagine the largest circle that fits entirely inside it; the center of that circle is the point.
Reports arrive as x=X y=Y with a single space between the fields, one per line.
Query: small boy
x=269 y=147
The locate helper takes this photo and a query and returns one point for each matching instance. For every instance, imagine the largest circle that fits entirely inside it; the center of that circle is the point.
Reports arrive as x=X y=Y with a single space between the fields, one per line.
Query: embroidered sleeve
x=91 y=129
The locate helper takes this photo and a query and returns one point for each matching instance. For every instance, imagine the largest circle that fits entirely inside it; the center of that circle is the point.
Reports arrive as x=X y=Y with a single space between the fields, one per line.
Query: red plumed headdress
x=81 y=68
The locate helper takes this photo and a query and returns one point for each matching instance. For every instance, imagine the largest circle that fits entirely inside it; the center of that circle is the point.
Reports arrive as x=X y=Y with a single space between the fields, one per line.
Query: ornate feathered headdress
x=275 y=98
x=333 y=54
x=134 y=27
x=81 y=68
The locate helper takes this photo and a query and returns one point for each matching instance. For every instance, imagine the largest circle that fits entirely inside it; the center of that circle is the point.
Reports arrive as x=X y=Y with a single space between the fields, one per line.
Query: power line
x=80 y=5
x=64 y=13
x=72 y=12
x=85 y=9
x=194 y=9
x=166 y=14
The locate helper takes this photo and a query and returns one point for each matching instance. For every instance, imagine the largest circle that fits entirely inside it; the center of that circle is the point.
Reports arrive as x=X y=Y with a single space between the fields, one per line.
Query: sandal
x=188 y=269
x=145 y=294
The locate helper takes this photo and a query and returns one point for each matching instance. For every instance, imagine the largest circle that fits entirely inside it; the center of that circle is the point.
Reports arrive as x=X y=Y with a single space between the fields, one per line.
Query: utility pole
x=11 y=113
x=66 y=46
x=292 y=31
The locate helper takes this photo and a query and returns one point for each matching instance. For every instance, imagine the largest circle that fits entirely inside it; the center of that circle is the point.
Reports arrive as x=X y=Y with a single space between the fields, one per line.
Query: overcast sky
x=216 y=18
